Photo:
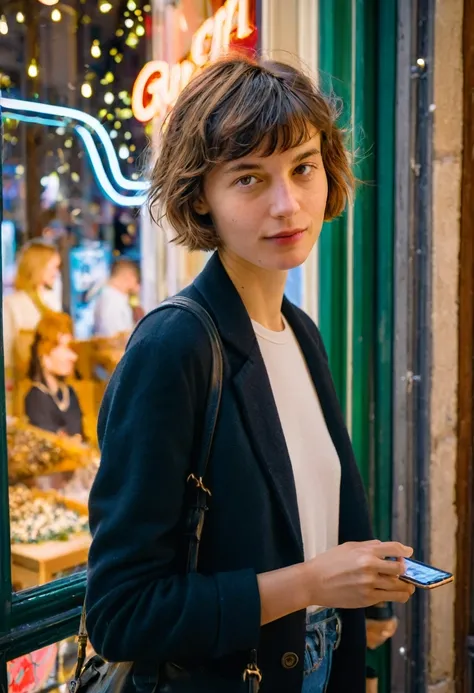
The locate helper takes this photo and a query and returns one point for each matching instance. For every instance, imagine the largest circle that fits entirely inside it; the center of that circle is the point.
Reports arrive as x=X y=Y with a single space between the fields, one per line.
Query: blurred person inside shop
x=38 y=271
x=115 y=311
x=52 y=404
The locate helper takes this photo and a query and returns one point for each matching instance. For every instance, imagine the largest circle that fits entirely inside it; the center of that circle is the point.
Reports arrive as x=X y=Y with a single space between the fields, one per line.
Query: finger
x=384 y=567
x=391 y=584
x=400 y=595
x=392 y=549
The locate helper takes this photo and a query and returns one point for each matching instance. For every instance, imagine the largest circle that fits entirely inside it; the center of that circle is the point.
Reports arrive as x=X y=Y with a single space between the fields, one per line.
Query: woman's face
x=269 y=211
x=61 y=359
x=51 y=271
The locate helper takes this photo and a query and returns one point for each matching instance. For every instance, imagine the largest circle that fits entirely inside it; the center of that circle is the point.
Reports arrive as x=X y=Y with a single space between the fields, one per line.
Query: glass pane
x=73 y=184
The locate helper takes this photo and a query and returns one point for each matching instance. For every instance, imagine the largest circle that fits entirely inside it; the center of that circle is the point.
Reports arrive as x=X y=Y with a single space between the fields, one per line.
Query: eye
x=246 y=181
x=305 y=169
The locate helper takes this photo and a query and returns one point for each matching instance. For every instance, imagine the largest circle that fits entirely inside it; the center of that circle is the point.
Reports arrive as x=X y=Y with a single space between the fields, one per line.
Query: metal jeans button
x=289 y=660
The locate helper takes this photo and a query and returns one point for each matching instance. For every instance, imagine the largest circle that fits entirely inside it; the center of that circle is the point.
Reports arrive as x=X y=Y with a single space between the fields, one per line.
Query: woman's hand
x=379 y=632
x=356 y=575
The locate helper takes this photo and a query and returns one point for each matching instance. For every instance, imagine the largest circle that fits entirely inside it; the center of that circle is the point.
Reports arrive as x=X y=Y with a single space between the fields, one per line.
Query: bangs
x=262 y=115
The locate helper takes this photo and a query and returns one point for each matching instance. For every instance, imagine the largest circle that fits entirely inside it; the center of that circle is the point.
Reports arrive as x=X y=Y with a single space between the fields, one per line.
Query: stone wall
x=447 y=151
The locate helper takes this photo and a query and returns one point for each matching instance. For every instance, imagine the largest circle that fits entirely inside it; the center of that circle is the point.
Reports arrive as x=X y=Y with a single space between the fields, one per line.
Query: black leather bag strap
x=198 y=505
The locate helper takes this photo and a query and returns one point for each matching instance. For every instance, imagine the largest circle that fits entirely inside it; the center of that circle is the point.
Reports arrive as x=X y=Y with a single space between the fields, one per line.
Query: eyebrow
x=253 y=166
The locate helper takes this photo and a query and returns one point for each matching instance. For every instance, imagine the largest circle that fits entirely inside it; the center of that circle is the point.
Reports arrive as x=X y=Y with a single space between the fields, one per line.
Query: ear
x=200 y=205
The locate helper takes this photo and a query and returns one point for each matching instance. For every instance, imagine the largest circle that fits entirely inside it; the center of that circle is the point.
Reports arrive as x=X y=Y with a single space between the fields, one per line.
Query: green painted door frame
x=358 y=63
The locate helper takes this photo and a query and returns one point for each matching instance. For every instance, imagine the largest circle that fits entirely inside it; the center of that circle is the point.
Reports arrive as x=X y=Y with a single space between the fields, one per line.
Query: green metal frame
x=363 y=75
x=335 y=69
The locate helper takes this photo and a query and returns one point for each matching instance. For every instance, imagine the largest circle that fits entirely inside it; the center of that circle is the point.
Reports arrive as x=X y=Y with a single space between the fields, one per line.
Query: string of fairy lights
x=99 y=82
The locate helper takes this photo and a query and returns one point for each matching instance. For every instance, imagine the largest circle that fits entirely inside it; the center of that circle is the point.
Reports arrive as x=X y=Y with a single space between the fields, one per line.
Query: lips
x=287 y=233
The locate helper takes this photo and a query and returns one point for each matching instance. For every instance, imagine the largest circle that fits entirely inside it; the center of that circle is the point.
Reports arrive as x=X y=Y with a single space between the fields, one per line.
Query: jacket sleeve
x=139 y=607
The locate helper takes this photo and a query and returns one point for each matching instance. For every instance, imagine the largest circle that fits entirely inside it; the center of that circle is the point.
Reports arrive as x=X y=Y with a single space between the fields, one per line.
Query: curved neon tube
x=101 y=176
x=42 y=109
x=33 y=119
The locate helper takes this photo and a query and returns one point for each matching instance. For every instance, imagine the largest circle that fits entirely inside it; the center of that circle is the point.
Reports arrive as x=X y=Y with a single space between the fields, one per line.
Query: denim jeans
x=323 y=633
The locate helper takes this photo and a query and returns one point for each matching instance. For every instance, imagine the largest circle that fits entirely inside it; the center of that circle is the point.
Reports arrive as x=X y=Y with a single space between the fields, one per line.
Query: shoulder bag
x=99 y=676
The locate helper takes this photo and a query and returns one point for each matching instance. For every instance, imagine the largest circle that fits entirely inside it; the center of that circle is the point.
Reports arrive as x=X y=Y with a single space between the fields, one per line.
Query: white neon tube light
x=74 y=114
x=101 y=176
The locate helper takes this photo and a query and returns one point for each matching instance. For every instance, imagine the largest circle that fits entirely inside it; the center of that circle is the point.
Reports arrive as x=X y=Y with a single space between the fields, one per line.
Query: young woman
x=251 y=163
x=51 y=404
x=38 y=269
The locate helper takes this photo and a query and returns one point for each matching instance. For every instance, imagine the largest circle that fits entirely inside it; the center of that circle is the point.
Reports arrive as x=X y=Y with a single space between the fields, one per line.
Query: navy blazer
x=140 y=606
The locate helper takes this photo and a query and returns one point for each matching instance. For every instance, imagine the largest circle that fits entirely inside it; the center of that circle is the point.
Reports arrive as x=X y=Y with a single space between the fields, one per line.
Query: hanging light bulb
x=49 y=3
x=105 y=6
x=86 y=90
x=123 y=151
x=140 y=30
x=109 y=97
x=132 y=5
x=56 y=15
x=3 y=25
x=95 y=50
x=128 y=23
x=20 y=17
x=33 y=69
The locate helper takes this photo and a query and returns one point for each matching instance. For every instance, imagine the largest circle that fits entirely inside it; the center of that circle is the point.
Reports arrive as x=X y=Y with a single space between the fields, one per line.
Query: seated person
x=51 y=404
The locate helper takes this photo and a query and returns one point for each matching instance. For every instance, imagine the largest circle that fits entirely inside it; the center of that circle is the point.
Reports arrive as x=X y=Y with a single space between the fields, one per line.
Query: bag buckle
x=199 y=483
x=252 y=670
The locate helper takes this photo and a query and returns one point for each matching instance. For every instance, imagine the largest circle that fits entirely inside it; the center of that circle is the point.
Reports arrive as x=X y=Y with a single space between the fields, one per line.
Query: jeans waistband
x=320 y=616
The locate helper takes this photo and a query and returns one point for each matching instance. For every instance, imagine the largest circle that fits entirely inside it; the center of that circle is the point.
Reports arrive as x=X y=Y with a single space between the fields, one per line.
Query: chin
x=290 y=260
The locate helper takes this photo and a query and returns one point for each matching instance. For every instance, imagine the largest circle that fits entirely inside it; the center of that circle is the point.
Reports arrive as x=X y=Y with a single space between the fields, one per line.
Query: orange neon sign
x=159 y=84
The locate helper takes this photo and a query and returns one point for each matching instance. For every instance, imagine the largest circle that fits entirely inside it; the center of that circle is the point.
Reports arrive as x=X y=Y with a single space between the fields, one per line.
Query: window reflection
x=71 y=257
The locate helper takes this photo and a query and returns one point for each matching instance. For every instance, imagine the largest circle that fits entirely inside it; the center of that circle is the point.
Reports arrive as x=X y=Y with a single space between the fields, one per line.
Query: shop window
x=72 y=179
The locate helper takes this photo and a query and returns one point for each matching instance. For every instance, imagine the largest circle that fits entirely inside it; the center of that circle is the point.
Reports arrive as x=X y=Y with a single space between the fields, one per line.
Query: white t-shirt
x=112 y=312
x=20 y=313
x=315 y=462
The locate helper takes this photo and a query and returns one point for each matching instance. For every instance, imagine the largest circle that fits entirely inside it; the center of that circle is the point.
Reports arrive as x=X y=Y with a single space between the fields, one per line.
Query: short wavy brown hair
x=232 y=108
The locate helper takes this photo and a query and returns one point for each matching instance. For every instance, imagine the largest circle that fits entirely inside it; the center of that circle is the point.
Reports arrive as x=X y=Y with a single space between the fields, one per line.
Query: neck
x=261 y=290
x=51 y=382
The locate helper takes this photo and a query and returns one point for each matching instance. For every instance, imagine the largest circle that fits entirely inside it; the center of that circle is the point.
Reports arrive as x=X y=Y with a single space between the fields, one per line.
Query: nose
x=284 y=203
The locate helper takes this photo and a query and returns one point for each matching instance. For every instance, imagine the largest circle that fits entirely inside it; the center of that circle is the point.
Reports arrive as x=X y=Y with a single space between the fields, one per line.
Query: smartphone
x=425 y=576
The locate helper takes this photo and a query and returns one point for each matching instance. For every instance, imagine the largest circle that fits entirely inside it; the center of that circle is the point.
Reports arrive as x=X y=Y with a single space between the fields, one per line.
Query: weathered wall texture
x=447 y=150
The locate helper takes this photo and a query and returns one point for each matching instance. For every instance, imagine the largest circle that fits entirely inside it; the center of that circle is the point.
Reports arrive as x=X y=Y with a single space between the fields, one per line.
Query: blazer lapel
x=261 y=418
x=253 y=389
